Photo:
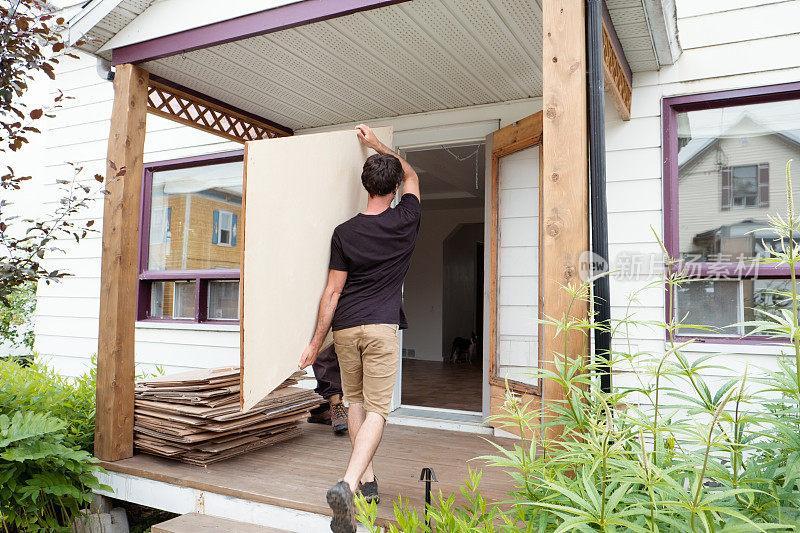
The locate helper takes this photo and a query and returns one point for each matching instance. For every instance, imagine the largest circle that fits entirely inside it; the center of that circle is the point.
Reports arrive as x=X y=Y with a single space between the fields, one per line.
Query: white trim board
x=168 y=17
x=182 y=500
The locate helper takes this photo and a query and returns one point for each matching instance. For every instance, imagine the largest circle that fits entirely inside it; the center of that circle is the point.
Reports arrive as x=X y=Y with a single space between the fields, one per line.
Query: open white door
x=296 y=191
x=511 y=334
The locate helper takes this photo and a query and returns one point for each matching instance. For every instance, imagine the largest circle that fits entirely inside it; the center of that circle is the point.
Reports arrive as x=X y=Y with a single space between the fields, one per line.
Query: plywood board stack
x=195 y=417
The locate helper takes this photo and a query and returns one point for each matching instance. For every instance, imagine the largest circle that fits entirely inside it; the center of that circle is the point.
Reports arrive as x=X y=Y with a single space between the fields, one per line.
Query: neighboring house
x=695 y=158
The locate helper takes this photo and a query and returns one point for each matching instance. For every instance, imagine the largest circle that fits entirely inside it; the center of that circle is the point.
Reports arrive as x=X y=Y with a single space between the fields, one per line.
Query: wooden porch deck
x=296 y=474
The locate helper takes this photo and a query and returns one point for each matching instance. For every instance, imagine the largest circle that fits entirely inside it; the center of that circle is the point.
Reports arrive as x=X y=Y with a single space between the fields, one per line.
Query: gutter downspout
x=597 y=185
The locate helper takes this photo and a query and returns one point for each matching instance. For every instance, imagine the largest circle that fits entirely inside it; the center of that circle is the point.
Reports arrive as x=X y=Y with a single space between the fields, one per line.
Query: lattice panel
x=194 y=111
x=616 y=82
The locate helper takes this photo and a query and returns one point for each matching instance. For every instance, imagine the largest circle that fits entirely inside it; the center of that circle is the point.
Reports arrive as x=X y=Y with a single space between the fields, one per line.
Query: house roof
x=744 y=124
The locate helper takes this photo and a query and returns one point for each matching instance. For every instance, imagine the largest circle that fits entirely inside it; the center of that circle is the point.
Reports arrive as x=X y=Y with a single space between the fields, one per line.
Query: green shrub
x=46 y=436
x=671 y=454
x=38 y=388
x=44 y=481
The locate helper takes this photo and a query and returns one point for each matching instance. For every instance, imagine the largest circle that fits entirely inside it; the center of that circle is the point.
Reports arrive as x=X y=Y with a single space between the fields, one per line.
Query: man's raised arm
x=410 y=178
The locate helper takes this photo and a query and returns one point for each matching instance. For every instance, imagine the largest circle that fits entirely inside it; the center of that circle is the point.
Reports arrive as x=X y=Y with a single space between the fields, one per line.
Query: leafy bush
x=672 y=454
x=44 y=481
x=46 y=436
x=38 y=388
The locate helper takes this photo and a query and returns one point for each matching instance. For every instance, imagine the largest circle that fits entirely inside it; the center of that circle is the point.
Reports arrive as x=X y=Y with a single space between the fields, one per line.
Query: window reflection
x=223 y=300
x=172 y=299
x=194 y=218
x=732 y=176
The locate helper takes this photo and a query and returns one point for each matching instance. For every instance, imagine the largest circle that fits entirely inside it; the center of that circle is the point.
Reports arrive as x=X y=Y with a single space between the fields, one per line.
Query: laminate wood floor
x=443 y=385
x=297 y=473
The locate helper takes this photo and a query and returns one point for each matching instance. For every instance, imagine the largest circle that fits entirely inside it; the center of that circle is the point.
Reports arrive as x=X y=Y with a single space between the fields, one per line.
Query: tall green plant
x=775 y=468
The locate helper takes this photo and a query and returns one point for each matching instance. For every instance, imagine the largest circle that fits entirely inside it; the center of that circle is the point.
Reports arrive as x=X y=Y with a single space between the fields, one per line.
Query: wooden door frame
x=513 y=138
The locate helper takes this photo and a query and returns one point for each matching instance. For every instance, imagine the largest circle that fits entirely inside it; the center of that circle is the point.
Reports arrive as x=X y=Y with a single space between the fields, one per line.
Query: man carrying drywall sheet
x=362 y=302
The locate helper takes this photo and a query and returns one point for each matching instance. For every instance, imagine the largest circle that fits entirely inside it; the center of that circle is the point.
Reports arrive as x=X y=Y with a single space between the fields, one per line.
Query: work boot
x=338 y=416
x=370 y=490
x=340 y=500
x=320 y=415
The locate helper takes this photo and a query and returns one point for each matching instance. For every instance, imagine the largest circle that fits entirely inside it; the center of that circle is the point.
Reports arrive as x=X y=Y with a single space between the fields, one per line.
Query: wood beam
x=616 y=81
x=118 y=277
x=192 y=109
x=564 y=193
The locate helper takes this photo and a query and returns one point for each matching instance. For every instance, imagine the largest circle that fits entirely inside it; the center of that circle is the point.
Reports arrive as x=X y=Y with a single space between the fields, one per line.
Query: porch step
x=201 y=523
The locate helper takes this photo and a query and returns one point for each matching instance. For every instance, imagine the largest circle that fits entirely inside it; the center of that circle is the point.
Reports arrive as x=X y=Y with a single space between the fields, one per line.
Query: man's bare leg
x=355 y=418
x=365 y=442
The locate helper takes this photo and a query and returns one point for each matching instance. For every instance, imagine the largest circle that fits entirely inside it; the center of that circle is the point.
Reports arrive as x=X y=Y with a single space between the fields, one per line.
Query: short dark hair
x=382 y=174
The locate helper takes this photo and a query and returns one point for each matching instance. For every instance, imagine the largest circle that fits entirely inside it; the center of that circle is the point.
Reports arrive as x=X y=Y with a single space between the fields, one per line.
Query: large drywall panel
x=297 y=190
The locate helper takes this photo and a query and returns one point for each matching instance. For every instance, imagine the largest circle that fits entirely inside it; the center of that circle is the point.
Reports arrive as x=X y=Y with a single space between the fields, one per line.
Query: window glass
x=183 y=306
x=194 y=217
x=223 y=300
x=765 y=295
x=172 y=299
x=732 y=164
x=744 y=186
x=157 y=293
x=711 y=303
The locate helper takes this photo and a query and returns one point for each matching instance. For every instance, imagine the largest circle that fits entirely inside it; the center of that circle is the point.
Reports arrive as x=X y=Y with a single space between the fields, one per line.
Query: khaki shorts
x=368 y=359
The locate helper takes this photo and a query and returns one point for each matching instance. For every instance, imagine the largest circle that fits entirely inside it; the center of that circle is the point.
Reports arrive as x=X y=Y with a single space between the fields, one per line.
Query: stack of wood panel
x=195 y=417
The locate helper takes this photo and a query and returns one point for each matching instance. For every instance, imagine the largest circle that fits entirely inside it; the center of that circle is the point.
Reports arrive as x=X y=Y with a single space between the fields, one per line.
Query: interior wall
x=422 y=293
x=459 y=290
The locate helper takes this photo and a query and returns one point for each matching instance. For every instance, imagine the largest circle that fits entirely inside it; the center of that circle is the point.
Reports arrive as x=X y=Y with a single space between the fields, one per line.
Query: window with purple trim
x=190 y=248
x=724 y=176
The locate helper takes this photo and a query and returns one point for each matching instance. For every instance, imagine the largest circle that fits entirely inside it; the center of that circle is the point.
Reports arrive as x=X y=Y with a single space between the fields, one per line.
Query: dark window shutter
x=725 y=195
x=215 y=227
x=234 y=226
x=763 y=185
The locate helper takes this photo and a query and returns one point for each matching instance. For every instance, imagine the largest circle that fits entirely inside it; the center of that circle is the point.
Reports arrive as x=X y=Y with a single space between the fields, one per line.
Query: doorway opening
x=442 y=360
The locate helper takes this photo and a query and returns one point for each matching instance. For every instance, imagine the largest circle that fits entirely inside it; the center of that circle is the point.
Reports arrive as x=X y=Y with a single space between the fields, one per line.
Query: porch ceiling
x=407 y=58
x=410 y=57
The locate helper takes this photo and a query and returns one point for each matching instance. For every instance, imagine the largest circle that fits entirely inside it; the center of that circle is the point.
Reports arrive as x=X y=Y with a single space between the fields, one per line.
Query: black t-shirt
x=375 y=251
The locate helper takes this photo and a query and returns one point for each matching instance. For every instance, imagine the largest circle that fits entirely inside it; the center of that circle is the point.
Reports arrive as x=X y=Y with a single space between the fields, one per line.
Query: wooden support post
x=118 y=279
x=564 y=227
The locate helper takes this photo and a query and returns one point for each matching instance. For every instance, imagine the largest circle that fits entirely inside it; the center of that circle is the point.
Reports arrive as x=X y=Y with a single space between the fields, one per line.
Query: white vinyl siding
x=726 y=45
x=67 y=312
x=518 y=284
